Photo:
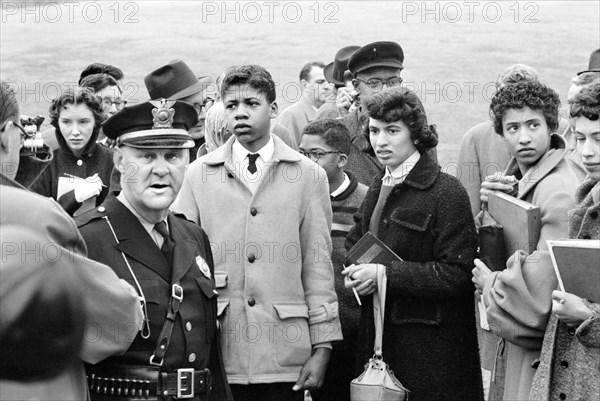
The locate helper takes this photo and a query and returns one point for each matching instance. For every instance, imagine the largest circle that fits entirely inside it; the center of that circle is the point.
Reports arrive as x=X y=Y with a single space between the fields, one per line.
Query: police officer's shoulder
x=90 y=216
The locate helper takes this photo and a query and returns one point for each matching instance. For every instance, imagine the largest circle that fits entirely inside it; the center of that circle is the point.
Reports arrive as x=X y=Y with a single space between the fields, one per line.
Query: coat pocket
x=415 y=310
x=413 y=219
x=292 y=335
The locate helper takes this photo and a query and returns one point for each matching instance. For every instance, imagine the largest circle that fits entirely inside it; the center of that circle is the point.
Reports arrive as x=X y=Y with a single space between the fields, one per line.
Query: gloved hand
x=92 y=186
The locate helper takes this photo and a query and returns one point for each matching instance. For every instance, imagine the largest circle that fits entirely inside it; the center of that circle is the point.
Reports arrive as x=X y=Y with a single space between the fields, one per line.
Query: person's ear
x=5 y=136
x=356 y=85
x=274 y=109
x=303 y=84
x=342 y=160
x=118 y=160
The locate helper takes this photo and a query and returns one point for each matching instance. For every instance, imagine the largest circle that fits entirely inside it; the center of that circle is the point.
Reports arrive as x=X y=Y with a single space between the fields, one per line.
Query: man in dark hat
x=375 y=66
x=176 y=81
x=594 y=64
x=165 y=257
x=342 y=98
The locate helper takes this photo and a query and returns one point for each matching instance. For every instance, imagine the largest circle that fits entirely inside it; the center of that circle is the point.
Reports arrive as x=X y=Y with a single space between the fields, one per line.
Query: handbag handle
x=379 y=310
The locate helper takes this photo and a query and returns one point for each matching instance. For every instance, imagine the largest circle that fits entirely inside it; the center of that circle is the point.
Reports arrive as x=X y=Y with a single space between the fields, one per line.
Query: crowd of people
x=195 y=246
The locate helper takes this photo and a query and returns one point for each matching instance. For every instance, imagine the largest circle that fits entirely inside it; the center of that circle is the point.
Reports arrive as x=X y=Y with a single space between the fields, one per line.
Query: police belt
x=145 y=382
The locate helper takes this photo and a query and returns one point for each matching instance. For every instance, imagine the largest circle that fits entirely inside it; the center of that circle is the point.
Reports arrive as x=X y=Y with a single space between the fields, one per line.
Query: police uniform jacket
x=195 y=331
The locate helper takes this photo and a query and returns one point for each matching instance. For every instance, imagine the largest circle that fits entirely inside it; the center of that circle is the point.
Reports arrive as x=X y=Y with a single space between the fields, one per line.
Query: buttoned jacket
x=272 y=259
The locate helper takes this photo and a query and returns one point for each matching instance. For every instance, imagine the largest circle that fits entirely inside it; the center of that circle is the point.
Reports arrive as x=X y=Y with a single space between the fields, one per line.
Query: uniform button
x=253 y=211
x=102 y=209
x=571 y=331
x=251 y=302
x=80 y=162
x=562 y=396
x=564 y=364
x=251 y=258
x=192 y=357
x=89 y=155
x=188 y=326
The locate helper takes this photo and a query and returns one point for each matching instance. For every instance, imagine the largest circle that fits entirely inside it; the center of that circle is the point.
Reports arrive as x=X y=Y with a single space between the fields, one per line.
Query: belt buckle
x=185 y=383
x=177 y=292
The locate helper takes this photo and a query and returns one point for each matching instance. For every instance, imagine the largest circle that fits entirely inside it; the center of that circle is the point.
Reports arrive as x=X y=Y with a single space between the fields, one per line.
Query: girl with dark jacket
x=423 y=215
x=81 y=169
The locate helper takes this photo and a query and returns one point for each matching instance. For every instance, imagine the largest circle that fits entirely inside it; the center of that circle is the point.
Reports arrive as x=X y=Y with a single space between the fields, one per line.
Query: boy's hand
x=480 y=274
x=312 y=375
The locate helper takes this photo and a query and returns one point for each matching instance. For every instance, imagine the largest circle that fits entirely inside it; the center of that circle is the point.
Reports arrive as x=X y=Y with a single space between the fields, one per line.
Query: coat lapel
x=134 y=240
x=184 y=252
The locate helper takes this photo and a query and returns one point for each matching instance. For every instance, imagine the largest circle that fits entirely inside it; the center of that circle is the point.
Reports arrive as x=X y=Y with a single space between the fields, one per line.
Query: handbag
x=491 y=241
x=377 y=382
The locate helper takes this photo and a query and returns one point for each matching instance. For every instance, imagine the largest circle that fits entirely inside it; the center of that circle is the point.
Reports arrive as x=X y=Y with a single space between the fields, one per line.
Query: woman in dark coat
x=424 y=216
x=81 y=169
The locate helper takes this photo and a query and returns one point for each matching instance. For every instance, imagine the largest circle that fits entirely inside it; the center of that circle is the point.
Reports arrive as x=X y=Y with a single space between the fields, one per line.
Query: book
x=577 y=266
x=370 y=249
x=521 y=222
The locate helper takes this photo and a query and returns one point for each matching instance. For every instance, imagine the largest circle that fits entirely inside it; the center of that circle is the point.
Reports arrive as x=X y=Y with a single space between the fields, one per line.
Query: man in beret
x=176 y=81
x=167 y=259
x=47 y=278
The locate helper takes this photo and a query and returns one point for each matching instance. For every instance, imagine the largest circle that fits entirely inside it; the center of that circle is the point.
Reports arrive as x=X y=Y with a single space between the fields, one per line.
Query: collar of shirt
x=341 y=188
x=393 y=178
x=149 y=227
x=240 y=154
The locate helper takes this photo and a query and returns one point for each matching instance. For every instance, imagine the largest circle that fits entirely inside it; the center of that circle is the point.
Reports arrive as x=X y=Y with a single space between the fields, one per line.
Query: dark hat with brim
x=172 y=81
x=334 y=72
x=156 y=124
x=594 y=64
x=377 y=54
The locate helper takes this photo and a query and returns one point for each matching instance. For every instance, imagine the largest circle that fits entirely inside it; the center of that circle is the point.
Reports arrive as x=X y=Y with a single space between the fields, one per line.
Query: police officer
x=164 y=256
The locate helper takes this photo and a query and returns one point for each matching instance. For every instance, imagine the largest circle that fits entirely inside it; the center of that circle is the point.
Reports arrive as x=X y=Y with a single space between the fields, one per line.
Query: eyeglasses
x=207 y=104
x=317 y=154
x=377 y=84
x=108 y=102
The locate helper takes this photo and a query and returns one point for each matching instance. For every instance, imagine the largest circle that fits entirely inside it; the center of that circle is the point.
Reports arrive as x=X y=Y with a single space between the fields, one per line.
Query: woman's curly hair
x=75 y=97
x=401 y=104
x=586 y=103
x=532 y=94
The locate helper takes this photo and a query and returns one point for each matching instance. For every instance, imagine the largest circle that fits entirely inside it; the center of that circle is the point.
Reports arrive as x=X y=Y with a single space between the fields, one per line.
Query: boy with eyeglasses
x=327 y=143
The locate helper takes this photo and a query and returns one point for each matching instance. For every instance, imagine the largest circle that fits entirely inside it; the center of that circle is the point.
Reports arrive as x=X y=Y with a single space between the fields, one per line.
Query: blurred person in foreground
x=166 y=257
x=423 y=215
x=571 y=351
x=518 y=298
x=96 y=301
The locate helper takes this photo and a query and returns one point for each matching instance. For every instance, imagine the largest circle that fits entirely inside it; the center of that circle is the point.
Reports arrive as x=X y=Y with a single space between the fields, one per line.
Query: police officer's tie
x=252 y=162
x=168 y=244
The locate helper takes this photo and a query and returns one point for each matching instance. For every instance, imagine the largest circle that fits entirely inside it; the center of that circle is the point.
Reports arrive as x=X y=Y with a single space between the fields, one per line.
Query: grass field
x=454 y=50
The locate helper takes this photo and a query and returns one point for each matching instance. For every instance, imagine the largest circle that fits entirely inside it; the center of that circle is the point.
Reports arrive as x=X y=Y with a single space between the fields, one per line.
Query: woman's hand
x=363 y=278
x=92 y=186
x=480 y=274
x=570 y=308
x=496 y=182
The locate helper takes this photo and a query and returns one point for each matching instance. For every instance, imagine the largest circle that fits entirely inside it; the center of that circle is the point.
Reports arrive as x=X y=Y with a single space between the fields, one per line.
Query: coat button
x=562 y=396
x=564 y=364
x=586 y=237
x=253 y=211
x=188 y=326
x=571 y=331
x=594 y=215
x=102 y=209
x=251 y=258
x=229 y=175
x=251 y=302
x=192 y=357
x=80 y=162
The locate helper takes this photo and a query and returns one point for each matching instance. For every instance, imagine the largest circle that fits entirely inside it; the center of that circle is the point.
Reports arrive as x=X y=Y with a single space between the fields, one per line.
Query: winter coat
x=570 y=362
x=272 y=259
x=429 y=336
x=518 y=299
